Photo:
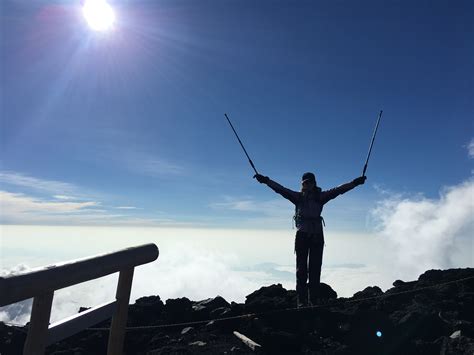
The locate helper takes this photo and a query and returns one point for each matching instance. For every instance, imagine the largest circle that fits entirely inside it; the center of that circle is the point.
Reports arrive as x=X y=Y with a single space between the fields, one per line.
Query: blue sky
x=128 y=126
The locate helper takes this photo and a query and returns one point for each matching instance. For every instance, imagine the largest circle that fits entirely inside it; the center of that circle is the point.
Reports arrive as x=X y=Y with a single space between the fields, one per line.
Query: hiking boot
x=301 y=301
x=301 y=304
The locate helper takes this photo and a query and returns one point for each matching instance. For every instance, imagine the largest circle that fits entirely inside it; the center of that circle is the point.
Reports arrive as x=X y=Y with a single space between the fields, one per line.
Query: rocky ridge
x=433 y=315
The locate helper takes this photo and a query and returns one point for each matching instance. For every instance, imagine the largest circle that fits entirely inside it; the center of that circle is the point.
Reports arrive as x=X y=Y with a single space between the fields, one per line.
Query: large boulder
x=146 y=311
x=268 y=298
x=368 y=292
x=211 y=307
x=423 y=326
x=432 y=276
x=178 y=310
x=325 y=292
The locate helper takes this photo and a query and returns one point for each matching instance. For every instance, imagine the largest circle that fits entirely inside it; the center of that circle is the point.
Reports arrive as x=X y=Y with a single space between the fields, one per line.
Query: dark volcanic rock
x=178 y=310
x=427 y=327
x=398 y=283
x=371 y=291
x=462 y=346
x=268 y=298
x=146 y=311
x=215 y=307
x=210 y=304
x=370 y=332
x=431 y=276
x=325 y=292
x=441 y=276
x=86 y=342
x=11 y=340
x=220 y=312
x=430 y=316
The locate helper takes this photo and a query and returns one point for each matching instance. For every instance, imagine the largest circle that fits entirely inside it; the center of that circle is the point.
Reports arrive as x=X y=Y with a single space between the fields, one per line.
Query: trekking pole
x=372 y=143
x=250 y=160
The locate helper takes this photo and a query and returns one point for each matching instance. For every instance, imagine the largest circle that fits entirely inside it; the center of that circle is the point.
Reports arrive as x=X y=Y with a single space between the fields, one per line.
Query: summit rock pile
x=433 y=315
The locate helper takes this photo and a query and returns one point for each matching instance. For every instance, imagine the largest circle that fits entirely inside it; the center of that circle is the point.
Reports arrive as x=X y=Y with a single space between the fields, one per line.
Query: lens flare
x=99 y=15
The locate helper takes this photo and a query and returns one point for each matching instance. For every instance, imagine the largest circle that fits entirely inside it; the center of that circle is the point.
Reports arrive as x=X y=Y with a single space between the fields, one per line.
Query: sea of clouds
x=412 y=234
x=424 y=233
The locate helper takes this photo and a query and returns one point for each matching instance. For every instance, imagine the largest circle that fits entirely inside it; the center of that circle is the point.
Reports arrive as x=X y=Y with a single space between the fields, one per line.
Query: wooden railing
x=40 y=285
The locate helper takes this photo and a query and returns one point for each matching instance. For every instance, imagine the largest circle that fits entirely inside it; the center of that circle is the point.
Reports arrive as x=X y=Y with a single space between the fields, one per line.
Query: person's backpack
x=316 y=195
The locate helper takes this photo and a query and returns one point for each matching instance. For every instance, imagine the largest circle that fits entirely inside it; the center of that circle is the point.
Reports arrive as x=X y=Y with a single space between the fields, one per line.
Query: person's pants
x=309 y=258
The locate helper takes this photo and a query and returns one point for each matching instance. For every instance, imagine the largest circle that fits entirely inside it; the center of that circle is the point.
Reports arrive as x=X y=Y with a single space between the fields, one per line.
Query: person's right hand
x=360 y=180
x=261 y=179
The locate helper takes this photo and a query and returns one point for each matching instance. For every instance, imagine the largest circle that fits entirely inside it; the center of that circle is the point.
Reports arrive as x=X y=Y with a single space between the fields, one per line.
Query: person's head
x=308 y=182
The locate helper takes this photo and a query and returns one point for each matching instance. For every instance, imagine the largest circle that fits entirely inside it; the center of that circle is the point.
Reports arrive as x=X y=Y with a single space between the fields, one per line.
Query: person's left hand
x=360 y=180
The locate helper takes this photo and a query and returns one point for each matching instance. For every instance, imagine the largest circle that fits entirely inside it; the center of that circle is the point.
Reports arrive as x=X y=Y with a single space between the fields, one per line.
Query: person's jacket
x=309 y=205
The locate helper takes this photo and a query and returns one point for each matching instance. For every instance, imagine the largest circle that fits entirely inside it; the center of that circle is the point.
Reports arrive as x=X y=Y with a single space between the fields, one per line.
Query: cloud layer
x=425 y=233
x=184 y=271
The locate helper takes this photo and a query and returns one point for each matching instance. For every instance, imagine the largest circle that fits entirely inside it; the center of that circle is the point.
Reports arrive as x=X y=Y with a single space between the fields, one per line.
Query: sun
x=99 y=15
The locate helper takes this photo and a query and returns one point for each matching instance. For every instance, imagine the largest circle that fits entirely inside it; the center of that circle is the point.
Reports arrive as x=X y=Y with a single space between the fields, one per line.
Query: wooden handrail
x=20 y=287
x=41 y=284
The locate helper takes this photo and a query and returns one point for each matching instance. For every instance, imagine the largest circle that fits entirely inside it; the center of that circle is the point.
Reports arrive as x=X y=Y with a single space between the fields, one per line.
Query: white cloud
x=276 y=213
x=50 y=186
x=347 y=280
x=470 y=149
x=191 y=271
x=17 y=269
x=64 y=207
x=144 y=163
x=424 y=233
x=14 y=203
x=155 y=167
x=236 y=204
x=277 y=207
x=19 y=208
x=64 y=197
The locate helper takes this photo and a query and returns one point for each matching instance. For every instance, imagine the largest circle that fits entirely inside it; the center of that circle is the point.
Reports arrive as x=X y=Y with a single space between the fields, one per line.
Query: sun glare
x=99 y=14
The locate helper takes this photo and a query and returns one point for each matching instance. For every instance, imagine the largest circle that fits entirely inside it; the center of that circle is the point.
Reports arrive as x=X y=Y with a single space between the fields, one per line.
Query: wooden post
x=39 y=322
x=119 y=320
x=41 y=283
x=30 y=284
x=74 y=324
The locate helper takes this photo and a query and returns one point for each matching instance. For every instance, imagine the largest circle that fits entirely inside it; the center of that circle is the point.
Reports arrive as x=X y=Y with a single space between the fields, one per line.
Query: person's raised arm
x=286 y=193
x=333 y=193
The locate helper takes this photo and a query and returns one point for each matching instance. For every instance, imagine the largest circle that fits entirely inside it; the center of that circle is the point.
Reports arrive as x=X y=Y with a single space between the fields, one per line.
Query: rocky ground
x=433 y=315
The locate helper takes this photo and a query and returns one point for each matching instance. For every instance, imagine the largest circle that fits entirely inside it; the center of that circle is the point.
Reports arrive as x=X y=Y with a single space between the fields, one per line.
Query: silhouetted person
x=309 y=240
